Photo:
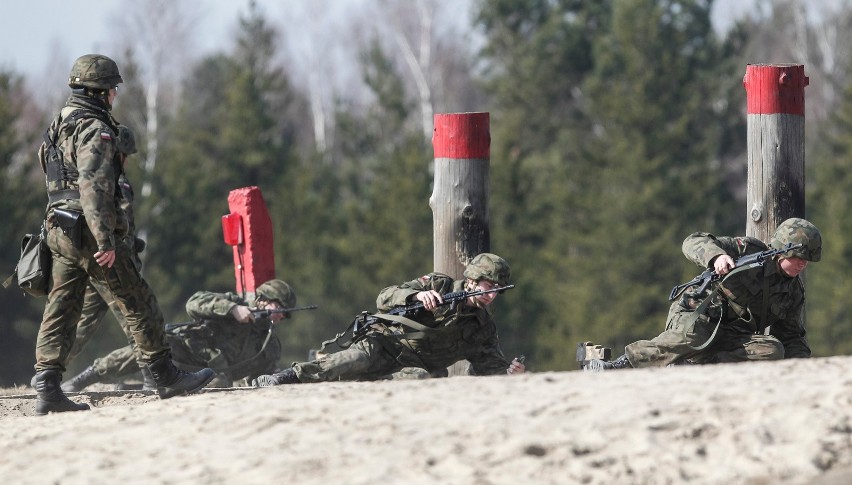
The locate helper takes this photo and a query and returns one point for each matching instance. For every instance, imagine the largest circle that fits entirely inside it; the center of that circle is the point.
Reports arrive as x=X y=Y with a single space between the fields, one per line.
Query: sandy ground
x=757 y=423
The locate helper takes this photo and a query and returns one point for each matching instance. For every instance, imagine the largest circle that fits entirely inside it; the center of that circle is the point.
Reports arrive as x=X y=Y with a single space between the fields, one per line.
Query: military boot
x=81 y=381
x=286 y=376
x=148 y=382
x=598 y=365
x=49 y=396
x=171 y=381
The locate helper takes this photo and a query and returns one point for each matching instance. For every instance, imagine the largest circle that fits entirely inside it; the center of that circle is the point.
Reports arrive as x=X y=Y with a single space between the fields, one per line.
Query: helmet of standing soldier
x=126 y=140
x=796 y=231
x=94 y=71
x=487 y=266
x=279 y=291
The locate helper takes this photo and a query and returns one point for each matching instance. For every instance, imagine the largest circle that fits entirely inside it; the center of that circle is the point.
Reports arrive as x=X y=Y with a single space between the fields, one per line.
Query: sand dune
x=758 y=423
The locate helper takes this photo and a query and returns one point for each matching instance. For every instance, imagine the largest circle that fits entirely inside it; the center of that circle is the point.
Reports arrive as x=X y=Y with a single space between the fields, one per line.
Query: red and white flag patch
x=106 y=136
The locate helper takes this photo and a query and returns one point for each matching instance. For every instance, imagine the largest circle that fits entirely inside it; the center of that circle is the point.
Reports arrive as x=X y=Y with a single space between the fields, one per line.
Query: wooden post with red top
x=459 y=200
x=776 y=145
x=248 y=228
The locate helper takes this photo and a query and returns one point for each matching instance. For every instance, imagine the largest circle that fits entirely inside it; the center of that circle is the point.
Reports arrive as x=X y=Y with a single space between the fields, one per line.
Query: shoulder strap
x=690 y=322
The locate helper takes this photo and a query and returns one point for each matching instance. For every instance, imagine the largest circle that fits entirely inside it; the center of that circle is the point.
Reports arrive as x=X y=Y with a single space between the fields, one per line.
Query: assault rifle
x=362 y=322
x=709 y=276
x=258 y=314
x=408 y=311
x=266 y=313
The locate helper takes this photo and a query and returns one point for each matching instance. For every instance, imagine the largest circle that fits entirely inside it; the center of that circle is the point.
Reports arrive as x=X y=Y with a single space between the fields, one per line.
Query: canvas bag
x=33 y=270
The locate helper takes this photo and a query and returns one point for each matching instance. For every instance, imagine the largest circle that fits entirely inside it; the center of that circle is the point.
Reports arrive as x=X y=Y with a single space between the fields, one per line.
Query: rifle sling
x=690 y=322
x=405 y=321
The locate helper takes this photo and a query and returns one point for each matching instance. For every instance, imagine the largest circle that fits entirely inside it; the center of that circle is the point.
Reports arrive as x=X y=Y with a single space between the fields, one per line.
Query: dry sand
x=756 y=423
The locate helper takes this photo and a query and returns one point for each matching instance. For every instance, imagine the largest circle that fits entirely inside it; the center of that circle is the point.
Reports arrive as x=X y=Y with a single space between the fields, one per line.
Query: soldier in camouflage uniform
x=464 y=332
x=97 y=299
x=224 y=336
x=87 y=238
x=747 y=303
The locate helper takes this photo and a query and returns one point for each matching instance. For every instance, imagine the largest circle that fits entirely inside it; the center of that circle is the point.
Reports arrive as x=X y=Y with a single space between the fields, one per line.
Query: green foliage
x=598 y=206
x=21 y=204
x=617 y=129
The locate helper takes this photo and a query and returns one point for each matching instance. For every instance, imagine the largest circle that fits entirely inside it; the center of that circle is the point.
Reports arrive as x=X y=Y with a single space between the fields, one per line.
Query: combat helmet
x=795 y=231
x=277 y=290
x=487 y=266
x=94 y=71
x=126 y=140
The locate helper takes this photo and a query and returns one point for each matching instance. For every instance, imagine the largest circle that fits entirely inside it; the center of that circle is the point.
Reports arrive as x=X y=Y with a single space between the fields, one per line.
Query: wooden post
x=459 y=198
x=459 y=201
x=248 y=229
x=776 y=146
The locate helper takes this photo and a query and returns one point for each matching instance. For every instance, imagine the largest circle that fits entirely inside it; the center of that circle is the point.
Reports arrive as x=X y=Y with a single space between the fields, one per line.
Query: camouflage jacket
x=91 y=166
x=744 y=291
x=237 y=341
x=460 y=333
x=137 y=245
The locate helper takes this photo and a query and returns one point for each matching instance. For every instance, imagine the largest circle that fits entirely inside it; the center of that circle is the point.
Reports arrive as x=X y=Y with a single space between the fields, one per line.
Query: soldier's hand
x=242 y=314
x=516 y=367
x=105 y=258
x=430 y=299
x=723 y=264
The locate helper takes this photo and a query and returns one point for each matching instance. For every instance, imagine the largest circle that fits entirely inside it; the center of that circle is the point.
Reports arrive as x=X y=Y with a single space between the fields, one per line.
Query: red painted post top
x=462 y=135
x=775 y=88
x=254 y=257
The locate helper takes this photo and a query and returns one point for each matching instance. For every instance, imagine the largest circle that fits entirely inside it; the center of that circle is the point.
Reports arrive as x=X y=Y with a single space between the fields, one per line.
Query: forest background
x=618 y=128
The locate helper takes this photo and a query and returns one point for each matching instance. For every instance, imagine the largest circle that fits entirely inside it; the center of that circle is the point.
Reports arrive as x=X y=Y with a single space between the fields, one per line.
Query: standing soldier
x=732 y=325
x=87 y=238
x=97 y=299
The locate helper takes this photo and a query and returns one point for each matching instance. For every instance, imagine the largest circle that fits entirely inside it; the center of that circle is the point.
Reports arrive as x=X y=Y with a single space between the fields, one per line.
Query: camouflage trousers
x=96 y=302
x=72 y=271
x=365 y=360
x=195 y=350
x=117 y=364
x=734 y=342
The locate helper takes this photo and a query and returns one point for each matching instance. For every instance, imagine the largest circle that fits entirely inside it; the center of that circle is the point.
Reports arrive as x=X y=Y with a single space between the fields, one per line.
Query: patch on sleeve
x=741 y=244
x=106 y=136
x=426 y=277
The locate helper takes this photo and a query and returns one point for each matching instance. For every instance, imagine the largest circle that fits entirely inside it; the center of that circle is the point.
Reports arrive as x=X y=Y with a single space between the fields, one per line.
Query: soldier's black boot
x=598 y=365
x=49 y=396
x=148 y=382
x=171 y=381
x=286 y=376
x=81 y=380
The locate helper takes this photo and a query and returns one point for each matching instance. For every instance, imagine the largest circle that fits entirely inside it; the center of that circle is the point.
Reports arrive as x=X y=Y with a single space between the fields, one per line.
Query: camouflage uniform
x=81 y=165
x=749 y=302
x=222 y=343
x=90 y=151
x=97 y=299
x=215 y=338
x=460 y=333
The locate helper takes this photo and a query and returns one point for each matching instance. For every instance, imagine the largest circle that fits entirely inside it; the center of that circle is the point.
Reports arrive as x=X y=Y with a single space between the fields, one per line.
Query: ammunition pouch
x=71 y=222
